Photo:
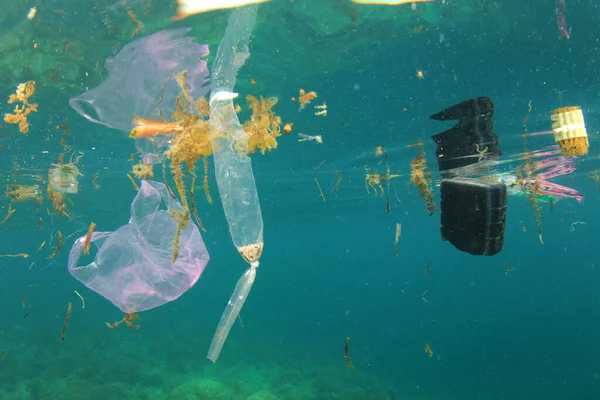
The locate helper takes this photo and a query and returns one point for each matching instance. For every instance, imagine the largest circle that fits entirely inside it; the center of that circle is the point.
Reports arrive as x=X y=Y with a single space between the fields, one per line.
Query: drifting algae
x=191 y=141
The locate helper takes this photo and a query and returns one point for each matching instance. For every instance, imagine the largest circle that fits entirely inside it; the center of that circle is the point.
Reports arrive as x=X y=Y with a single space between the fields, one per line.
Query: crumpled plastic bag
x=132 y=267
x=137 y=76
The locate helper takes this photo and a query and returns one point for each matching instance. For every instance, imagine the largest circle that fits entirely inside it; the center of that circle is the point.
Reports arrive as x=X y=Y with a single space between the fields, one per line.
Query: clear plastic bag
x=141 y=80
x=233 y=168
x=132 y=266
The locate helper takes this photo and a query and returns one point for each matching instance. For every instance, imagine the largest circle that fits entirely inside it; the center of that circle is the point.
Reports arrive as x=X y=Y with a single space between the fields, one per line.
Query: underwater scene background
x=426 y=321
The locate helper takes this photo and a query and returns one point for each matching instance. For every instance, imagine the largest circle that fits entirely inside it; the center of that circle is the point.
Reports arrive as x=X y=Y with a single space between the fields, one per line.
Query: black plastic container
x=473 y=215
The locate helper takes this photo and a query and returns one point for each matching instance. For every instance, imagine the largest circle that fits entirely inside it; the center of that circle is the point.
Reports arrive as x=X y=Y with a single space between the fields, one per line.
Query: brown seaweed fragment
x=19 y=115
x=139 y=25
x=319 y=187
x=193 y=204
x=24 y=192
x=88 y=236
x=346 y=356
x=58 y=246
x=24 y=255
x=95 y=180
x=128 y=320
x=422 y=179
x=531 y=188
x=143 y=171
x=428 y=350
x=264 y=127
x=10 y=212
x=133 y=182
x=57 y=200
x=206 y=188
x=64 y=329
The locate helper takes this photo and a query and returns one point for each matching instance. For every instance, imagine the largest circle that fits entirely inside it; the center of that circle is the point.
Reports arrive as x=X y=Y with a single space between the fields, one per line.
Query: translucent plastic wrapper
x=233 y=169
x=141 y=80
x=63 y=178
x=132 y=267
x=234 y=305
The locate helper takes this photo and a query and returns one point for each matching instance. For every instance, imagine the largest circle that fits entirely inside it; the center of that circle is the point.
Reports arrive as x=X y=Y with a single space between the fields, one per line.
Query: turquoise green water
x=330 y=269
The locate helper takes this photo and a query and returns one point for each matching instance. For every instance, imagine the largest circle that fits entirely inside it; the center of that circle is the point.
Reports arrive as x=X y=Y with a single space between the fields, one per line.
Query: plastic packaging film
x=132 y=266
x=141 y=80
x=234 y=305
x=233 y=168
x=233 y=49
